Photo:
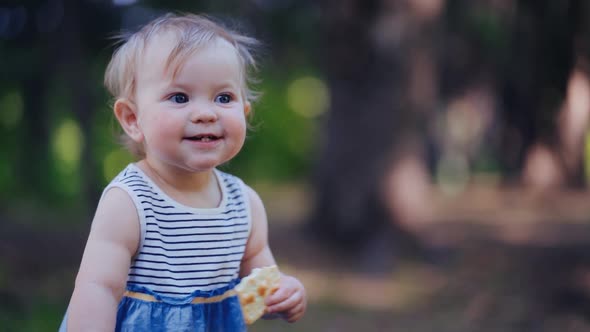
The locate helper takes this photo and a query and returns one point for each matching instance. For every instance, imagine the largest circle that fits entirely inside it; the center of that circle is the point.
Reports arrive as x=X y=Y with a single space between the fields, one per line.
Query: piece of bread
x=253 y=290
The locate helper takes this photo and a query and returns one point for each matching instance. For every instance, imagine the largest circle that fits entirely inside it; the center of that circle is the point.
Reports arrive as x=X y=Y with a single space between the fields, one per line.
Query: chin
x=202 y=166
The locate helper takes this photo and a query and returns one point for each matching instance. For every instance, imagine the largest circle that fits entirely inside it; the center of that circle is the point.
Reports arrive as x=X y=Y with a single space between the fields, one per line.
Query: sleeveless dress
x=188 y=262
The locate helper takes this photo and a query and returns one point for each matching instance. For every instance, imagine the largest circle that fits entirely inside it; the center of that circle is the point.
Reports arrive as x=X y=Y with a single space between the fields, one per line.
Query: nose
x=203 y=113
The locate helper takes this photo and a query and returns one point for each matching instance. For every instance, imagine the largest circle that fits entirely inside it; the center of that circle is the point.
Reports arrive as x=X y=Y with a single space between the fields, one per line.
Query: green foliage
x=11 y=108
x=41 y=317
x=10 y=114
x=44 y=162
x=280 y=146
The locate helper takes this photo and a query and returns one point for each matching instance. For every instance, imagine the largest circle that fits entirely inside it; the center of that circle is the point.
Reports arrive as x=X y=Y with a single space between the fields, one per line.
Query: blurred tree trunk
x=382 y=60
x=32 y=172
x=34 y=158
x=380 y=65
x=75 y=48
x=541 y=58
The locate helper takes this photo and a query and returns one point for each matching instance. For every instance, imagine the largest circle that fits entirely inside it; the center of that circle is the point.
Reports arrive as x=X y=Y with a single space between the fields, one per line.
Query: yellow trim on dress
x=196 y=300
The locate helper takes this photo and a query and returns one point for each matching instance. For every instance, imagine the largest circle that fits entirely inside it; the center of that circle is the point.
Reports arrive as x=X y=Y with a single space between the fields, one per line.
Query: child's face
x=196 y=120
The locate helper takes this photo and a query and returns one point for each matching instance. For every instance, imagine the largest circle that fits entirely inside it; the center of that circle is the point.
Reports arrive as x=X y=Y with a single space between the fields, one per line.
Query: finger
x=297 y=312
x=279 y=296
x=293 y=312
x=295 y=316
x=287 y=304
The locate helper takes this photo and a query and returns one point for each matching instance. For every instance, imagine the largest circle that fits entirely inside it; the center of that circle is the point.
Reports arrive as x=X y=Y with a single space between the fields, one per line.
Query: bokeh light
x=67 y=144
x=308 y=96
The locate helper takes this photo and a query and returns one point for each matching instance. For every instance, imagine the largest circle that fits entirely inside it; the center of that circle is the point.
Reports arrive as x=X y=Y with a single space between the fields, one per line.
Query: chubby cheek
x=238 y=132
x=160 y=130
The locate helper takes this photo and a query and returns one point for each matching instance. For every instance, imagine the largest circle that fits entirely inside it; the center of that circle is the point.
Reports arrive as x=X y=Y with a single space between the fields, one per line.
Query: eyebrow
x=175 y=85
x=217 y=86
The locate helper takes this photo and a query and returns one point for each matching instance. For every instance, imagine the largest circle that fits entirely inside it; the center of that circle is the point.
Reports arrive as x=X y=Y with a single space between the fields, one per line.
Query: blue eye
x=179 y=98
x=223 y=98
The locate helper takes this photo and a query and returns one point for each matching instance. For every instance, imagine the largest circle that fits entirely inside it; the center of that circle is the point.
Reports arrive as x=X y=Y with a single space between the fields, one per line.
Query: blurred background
x=424 y=163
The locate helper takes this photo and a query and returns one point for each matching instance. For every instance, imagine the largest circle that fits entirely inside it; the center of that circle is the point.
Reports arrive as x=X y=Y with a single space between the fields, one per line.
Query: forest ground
x=497 y=259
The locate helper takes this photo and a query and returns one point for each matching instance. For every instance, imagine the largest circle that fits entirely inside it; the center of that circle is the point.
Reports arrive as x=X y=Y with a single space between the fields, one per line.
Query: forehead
x=165 y=55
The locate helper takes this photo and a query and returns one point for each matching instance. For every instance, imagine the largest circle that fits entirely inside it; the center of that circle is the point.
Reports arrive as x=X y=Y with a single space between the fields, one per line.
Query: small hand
x=289 y=301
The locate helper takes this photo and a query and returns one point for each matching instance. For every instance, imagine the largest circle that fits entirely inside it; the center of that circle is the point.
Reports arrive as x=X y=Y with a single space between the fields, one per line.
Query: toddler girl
x=172 y=235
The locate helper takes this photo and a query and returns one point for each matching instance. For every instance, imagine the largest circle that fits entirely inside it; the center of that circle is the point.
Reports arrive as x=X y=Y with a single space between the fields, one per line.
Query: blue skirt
x=141 y=309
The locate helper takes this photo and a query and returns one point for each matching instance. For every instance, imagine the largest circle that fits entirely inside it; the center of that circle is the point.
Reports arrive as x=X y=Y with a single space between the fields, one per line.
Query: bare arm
x=258 y=252
x=290 y=300
x=113 y=240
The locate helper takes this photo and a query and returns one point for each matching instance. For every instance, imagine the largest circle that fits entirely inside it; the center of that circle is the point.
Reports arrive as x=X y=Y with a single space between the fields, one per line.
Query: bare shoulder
x=116 y=219
x=256 y=204
x=113 y=240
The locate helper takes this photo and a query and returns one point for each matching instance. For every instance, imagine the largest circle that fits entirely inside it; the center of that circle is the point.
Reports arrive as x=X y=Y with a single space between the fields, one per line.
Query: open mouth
x=204 y=138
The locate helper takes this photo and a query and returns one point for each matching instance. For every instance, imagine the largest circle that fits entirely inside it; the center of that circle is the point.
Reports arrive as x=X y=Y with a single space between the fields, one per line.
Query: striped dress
x=188 y=261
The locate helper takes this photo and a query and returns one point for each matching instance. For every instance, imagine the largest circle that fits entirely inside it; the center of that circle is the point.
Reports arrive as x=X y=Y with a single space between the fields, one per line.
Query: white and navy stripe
x=185 y=249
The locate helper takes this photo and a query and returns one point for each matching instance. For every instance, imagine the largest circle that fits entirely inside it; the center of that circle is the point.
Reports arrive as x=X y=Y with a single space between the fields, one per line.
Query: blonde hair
x=192 y=32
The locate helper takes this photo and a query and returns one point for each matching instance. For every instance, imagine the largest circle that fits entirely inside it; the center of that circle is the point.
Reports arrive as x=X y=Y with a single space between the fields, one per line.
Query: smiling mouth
x=204 y=138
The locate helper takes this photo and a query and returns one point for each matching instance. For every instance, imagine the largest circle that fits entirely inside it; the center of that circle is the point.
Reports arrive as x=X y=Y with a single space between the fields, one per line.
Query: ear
x=126 y=113
x=247 y=108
